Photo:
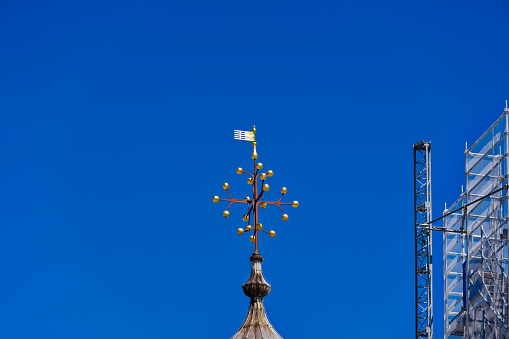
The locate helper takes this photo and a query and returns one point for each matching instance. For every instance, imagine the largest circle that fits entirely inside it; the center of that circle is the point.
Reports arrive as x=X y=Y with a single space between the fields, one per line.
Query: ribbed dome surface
x=256 y=325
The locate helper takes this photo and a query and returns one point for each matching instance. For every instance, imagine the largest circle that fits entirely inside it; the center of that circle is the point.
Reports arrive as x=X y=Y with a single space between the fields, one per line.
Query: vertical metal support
x=505 y=282
x=423 y=259
x=467 y=273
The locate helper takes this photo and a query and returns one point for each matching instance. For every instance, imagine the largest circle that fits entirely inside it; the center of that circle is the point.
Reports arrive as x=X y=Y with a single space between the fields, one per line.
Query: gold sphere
x=226 y=214
x=295 y=204
x=250 y=181
x=283 y=190
x=215 y=198
x=259 y=166
x=272 y=234
x=285 y=217
x=248 y=199
x=249 y=228
x=270 y=173
x=263 y=176
x=252 y=238
x=245 y=217
x=226 y=186
x=259 y=226
x=254 y=129
x=240 y=231
x=266 y=187
x=263 y=204
x=239 y=170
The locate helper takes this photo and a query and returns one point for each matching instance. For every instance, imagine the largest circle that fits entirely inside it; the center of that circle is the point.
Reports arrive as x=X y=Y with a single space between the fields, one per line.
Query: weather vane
x=257 y=200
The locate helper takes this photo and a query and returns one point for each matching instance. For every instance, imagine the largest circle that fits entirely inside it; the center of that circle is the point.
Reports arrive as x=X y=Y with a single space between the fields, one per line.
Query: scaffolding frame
x=476 y=261
x=423 y=241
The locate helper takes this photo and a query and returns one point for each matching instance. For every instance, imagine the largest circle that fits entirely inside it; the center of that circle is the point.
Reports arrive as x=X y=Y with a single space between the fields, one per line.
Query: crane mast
x=423 y=259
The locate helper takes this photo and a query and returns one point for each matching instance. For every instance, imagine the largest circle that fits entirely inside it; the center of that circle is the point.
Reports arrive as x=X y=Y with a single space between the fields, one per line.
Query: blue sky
x=116 y=129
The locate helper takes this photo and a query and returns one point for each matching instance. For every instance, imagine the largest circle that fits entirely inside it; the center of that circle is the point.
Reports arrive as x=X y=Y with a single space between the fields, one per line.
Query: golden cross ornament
x=257 y=198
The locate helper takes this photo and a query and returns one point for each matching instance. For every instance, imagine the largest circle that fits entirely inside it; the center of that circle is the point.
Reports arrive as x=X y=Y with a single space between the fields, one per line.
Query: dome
x=256 y=325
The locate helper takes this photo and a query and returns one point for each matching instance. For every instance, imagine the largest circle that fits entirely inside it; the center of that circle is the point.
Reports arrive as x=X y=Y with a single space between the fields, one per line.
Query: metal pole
x=466 y=330
x=255 y=205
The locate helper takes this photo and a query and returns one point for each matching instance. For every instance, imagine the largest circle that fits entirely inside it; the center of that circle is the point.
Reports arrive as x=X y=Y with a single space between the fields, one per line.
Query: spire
x=256 y=325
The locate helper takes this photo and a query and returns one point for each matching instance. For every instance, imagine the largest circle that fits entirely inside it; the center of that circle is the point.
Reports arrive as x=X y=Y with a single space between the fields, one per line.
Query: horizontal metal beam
x=462 y=207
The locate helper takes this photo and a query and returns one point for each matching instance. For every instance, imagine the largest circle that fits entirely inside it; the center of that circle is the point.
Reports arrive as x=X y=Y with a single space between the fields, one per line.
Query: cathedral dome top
x=256 y=325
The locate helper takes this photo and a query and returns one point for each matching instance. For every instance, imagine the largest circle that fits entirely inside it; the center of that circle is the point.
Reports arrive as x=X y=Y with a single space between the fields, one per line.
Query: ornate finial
x=257 y=199
x=256 y=325
x=256 y=287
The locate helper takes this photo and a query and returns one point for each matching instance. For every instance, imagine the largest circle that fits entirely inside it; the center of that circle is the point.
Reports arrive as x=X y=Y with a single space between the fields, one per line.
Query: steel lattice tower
x=423 y=262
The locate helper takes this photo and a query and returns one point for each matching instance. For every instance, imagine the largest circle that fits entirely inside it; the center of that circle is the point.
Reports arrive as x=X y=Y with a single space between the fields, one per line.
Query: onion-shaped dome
x=256 y=325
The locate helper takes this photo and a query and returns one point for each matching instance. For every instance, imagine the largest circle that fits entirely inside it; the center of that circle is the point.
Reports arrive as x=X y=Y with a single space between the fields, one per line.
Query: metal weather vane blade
x=257 y=199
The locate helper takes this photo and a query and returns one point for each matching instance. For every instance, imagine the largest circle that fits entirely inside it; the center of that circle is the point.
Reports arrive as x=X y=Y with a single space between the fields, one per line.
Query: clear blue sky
x=116 y=129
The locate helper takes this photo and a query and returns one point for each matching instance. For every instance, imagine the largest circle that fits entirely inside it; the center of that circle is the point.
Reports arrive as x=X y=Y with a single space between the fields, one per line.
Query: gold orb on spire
x=249 y=228
x=245 y=217
x=270 y=173
x=250 y=181
x=266 y=187
x=254 y=155
x=295 y=204
x=240 y=231
x=252 y=238
x=263 y=176
x=215 y=198
x=259 y=226
x=239 y=170
x=263 y=204
x=226 y=186
x=226 y=214
x=284 y=190
x=248 y=199
x=259 y=166
x=272 y=234
x=285 y=217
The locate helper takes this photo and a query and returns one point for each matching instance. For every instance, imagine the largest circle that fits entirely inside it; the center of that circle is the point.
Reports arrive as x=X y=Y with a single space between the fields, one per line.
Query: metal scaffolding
x=423 y=262
x=475 y=242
